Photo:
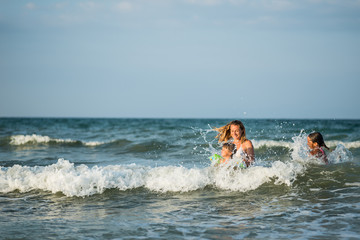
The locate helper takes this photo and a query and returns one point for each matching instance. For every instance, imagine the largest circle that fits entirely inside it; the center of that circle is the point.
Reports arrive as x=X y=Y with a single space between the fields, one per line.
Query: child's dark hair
x=316 y=137
x=231 y=147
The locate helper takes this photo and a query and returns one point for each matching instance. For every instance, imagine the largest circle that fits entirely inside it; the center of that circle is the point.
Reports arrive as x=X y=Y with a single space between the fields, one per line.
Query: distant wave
x=18 y=140
x=271 y=143
x=331 y=144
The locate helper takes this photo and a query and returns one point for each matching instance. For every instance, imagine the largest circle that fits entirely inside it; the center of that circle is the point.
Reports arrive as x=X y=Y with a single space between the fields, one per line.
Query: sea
x=92 y=178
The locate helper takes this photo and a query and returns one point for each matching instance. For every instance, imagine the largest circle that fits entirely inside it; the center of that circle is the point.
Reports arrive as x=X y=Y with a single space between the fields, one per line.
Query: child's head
x=228 y=150
x=315 y=140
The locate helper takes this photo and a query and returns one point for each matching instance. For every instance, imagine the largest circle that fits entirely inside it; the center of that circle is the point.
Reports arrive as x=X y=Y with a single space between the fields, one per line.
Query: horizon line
x=213 y=118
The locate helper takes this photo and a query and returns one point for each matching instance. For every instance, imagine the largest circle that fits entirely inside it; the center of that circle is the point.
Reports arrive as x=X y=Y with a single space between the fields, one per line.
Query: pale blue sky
x=181 y=58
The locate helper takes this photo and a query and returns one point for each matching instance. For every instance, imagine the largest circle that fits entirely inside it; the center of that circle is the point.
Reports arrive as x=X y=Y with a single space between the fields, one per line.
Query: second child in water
x=315 y=141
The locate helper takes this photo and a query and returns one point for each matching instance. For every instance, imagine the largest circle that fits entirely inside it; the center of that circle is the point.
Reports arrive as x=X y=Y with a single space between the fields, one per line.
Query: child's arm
x=325 y=159
x=323 y=156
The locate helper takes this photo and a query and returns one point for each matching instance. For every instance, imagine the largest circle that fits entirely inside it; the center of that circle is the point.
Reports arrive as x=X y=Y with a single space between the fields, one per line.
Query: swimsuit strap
x=239 y=147
x=239 y=152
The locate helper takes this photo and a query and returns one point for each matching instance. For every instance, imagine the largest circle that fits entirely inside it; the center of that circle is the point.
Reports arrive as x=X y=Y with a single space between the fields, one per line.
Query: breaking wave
x=82 y=180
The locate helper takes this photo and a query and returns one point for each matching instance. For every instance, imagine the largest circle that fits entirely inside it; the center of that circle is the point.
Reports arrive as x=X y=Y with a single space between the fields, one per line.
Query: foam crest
x=18 y=140
x=28 y=139
x=340 y=154
x=82 y=180
x=71 y=180
x=177 y=179
x=333 y=143
x=249 y=179
x=180 y=179
x=93 y=143
x=285 y=144
x=299 y=148
x=271 y=143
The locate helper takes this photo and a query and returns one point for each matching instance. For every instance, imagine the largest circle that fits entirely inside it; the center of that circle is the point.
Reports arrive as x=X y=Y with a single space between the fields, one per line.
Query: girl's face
x=311 y=144
x=235 y=132
x=225 y=153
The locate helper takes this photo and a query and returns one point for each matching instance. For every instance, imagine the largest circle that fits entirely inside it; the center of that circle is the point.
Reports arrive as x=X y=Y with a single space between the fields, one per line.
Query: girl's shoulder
x=247 y=144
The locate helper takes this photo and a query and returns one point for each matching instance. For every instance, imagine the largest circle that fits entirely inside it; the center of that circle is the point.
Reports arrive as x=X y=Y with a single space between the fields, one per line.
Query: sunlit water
x=152 y=178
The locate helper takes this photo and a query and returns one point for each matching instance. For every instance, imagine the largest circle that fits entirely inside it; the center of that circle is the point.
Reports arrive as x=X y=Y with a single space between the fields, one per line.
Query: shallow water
x=151 y=178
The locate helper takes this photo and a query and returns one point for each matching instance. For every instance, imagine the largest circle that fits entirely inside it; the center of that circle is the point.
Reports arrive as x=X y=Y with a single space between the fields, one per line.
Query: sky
x=180 y=59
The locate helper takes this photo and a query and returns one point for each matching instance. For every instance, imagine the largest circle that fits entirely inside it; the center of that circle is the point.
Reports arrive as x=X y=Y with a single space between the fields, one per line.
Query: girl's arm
x=325 y=159
x=323 y=155
x=249 y=150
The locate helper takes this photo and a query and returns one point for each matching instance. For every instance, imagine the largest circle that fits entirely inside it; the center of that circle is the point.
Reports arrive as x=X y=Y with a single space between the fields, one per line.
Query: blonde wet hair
x=224 y=134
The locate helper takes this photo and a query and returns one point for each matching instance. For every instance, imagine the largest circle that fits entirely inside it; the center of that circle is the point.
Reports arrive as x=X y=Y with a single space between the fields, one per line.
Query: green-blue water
x=152 y=179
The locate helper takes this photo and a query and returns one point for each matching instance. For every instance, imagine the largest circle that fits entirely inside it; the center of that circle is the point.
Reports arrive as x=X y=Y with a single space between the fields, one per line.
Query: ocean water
x=152 y=179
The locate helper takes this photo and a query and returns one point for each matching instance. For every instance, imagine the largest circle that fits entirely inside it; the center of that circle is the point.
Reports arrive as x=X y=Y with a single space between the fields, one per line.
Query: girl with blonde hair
x=235 y=130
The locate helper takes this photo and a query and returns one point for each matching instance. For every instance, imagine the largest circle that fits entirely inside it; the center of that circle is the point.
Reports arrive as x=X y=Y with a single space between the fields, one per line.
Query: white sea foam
x=333 y=143
x=271 y=143
x=249 y=179
x=82 y=180
x=26 y=139
x=340 y=154
x=18 y=140
x=354 y=184
x=177 y=179
x=71 y=180
x=93 y=143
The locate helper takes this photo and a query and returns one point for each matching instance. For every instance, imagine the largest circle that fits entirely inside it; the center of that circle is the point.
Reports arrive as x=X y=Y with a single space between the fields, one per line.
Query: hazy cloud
x=279 y=5
x=238 y=2
x=88 y=5
x=30 y=5
x=124 y=6
x=205 y=2
x=60 y=5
